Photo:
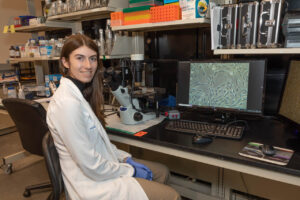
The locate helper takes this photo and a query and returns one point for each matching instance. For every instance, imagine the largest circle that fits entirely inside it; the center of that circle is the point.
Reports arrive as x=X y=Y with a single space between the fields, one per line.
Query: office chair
x=30 y=119
x=53 y=167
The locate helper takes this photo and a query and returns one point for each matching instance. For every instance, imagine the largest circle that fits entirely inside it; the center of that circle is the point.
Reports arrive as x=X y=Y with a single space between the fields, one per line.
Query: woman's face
x=82 y=64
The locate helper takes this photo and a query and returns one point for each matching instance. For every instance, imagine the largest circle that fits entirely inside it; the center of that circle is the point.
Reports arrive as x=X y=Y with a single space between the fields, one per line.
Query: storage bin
x=138 y=3
x=117 y=18
x=137 y=15
x=165 y=13
x=170 y=1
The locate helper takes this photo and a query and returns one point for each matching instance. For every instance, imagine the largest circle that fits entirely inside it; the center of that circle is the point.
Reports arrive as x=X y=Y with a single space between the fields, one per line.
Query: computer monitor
x=290 y=103
x=222 y=85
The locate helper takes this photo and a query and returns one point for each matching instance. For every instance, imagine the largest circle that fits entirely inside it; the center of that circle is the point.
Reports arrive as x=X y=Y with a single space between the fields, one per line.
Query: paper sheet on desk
x=114 y=122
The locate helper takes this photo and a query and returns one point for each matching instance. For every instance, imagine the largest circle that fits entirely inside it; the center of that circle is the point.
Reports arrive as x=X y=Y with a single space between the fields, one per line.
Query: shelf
x=160 y=26
x=48 y=26
x=84 y=15
x=258 y=51
x=17 y=60
x=114 y=57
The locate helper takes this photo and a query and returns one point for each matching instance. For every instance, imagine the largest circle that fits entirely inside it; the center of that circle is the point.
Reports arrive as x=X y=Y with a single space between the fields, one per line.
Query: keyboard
x=206 y=129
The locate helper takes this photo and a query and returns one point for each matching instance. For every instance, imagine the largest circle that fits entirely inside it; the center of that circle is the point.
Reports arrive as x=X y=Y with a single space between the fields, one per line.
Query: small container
x=11 y=92
x=4 y=90
x=12 y=52
x=52 y=10
x=17 y=21
x=17 y=52
x=21 y=94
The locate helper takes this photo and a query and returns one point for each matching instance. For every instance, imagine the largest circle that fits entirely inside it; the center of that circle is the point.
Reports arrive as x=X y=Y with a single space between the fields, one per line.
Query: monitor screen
x=236 y=85
x=290 y=103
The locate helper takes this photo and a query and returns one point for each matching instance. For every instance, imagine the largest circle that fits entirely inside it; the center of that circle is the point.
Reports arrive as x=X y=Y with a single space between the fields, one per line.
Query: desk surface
x=224 y=152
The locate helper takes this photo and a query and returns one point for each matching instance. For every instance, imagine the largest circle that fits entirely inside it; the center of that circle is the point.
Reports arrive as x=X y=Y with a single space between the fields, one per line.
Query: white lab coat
x=91 y=165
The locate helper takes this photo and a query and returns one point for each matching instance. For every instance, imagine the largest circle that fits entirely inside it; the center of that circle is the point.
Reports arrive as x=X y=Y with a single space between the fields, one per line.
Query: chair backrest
x=53 y=166
x=30 y=119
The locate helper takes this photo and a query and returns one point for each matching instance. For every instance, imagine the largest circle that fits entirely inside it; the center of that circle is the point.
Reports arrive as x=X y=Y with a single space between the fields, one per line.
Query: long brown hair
x=94 y=91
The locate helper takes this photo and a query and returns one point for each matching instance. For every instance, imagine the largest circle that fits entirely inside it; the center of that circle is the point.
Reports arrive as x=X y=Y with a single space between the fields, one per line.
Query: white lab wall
x=8 y=10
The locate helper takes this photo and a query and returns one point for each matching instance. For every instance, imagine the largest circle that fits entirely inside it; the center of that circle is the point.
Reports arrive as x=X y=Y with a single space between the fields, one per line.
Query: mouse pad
x=281 y=157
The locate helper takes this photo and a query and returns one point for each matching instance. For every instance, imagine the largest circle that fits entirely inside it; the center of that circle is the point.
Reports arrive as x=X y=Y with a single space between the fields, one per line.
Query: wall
x=8 y=10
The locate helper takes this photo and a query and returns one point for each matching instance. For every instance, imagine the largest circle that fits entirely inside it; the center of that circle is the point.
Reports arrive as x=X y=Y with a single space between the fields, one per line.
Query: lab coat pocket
x=93 y=132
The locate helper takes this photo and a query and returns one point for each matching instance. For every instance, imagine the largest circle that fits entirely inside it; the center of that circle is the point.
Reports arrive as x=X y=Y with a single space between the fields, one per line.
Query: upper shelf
x=84 y=15
x=160 y=26
x=48 y=26
x=114 y=57
x=17 y=60
x=258 y=51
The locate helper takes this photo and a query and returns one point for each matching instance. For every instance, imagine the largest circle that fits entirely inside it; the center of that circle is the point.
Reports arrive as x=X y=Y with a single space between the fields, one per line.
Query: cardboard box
x=192 y=9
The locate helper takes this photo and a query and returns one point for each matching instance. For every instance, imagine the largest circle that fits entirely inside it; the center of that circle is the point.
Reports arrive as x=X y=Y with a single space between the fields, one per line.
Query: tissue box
x=192 y=9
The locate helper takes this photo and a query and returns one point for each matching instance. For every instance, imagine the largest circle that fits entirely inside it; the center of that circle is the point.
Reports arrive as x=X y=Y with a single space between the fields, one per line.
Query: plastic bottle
x=21 y=94
x=53 y=49
x=11 y=92
x=17 y=52
x=4 y=90
x=43 y=48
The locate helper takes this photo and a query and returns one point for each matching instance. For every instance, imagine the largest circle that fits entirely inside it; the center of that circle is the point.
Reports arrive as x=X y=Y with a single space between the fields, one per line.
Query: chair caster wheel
x=27 y=193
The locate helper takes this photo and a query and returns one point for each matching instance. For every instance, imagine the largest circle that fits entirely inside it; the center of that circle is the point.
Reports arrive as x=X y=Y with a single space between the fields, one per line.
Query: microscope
x=131 y=111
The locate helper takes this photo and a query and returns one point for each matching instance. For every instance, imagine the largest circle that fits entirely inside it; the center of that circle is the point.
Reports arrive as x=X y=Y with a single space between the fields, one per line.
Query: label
x=49 y=50
x=17 y=54
x=201 y=8
x=12 y=53
x=43 y=51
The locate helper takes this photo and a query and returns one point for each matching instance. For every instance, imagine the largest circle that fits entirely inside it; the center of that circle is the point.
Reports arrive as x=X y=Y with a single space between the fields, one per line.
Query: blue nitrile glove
x=137 y=166
x=141 y=173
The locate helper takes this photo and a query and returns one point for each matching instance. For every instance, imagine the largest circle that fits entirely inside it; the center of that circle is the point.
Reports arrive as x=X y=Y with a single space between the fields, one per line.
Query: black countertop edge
x=246 y=161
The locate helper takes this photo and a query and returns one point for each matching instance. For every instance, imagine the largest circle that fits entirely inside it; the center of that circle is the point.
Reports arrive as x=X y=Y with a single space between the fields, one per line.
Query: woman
x=92 y=167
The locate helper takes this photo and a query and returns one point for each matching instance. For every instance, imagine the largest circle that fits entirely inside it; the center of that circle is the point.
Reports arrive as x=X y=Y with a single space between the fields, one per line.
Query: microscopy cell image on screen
x=222 y=85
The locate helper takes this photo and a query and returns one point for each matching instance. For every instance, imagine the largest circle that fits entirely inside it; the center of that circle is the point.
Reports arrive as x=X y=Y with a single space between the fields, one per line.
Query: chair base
x=28 y=189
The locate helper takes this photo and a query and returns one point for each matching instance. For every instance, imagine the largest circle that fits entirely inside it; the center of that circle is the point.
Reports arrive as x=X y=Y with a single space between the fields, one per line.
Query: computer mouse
x=268 y=149
x=198 y=139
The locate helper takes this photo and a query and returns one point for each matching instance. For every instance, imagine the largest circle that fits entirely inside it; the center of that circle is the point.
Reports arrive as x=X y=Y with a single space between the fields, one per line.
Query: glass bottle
x=97 y=3
x=104 y=3
x=101 y=44
x=47 y=8
x=87 y=4
x=108 y=38
x=12 y=52
x=32 y=48
x=59 y=7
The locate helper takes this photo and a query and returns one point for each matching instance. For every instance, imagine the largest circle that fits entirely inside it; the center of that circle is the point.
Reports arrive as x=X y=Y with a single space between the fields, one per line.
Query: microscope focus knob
x=137 y=116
